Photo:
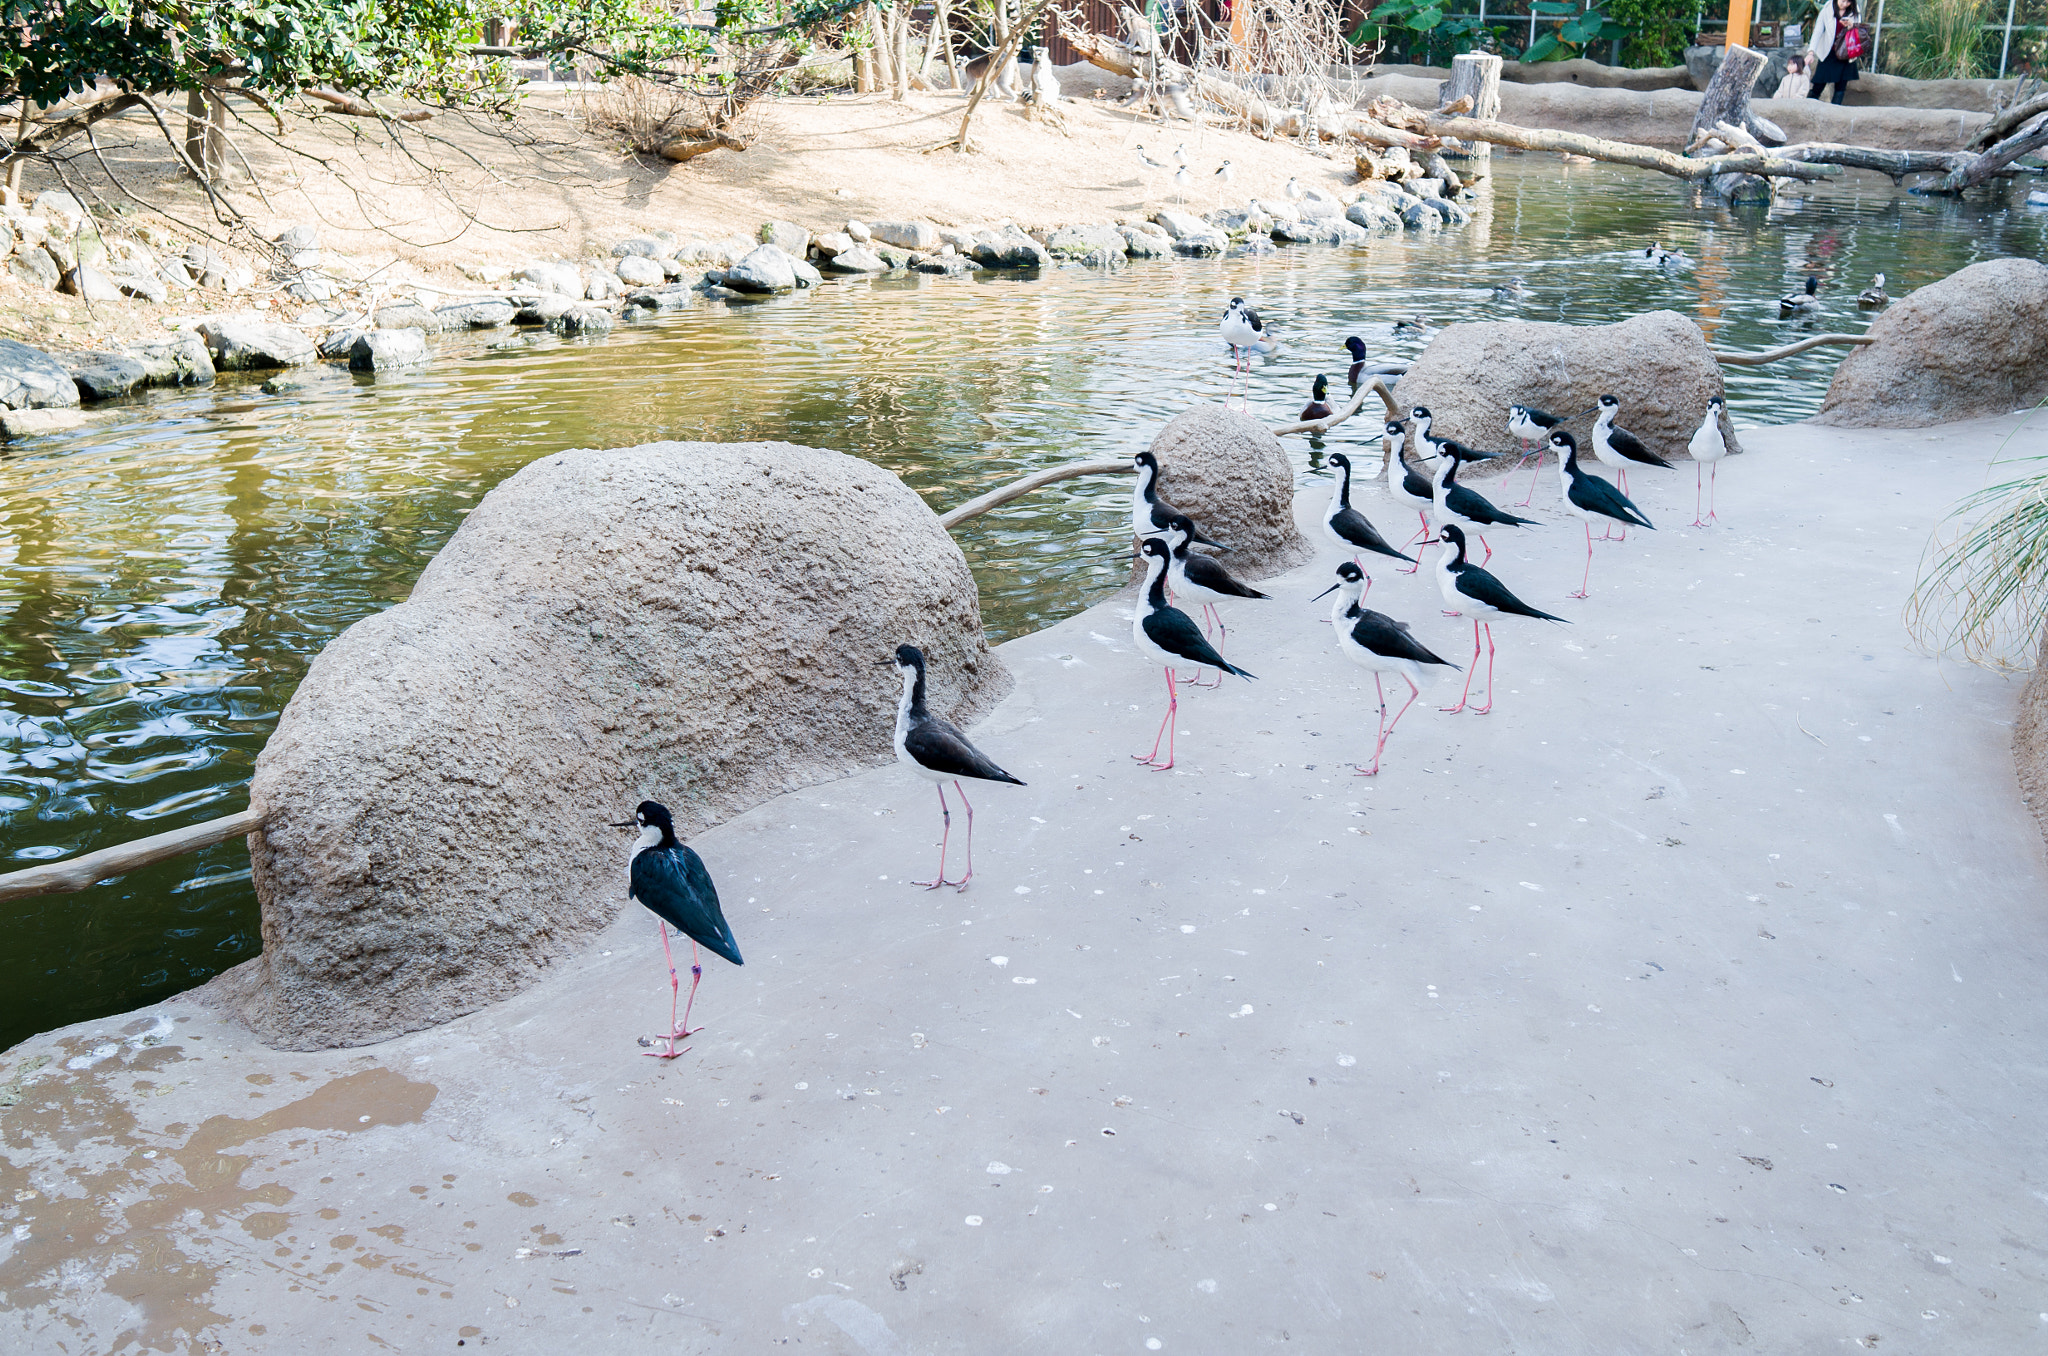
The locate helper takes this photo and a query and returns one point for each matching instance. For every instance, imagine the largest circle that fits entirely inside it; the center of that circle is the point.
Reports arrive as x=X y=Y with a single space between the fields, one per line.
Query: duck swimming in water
x=1318 y=406
x=1873 y=295
x=1514 y=289
x=1800 y=302
x=1414 y=324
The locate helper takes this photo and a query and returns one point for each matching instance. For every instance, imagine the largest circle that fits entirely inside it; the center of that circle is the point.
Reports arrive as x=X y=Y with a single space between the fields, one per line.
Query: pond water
x=167 y=574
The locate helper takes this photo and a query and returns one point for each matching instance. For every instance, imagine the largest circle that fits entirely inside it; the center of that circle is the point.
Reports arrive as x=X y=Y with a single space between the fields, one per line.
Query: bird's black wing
x=1630 y=446
x=675 y=887
x=1352 y=526
x=1475 y=508
x=1207 y=573
x=1415 y=484
x=1251 y=318
x=940 y=747
x=1541 y=418
x=1596 y=495
x=1381 y=634
x=1482 y=587
x=1175 y=632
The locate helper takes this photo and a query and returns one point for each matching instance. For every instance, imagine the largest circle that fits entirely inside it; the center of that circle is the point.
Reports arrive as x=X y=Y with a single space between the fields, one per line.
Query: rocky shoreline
x=349 y=316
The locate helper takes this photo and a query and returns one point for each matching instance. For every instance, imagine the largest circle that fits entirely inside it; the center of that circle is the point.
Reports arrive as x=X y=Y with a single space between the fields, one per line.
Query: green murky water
x=167 y=574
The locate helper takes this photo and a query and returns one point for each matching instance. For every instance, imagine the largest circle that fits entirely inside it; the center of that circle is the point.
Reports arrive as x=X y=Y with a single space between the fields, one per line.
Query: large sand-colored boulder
x=696 y=623
x=1973 y=344
x=1657 y=364
x=1224 y=470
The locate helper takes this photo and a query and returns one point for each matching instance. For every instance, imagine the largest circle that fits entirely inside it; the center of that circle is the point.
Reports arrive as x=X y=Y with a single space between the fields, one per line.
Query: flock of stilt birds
x=670 y=879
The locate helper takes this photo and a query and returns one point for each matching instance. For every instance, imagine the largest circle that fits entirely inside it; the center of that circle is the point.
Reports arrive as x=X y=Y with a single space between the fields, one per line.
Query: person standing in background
x=1795 y=85
x=1836 y=46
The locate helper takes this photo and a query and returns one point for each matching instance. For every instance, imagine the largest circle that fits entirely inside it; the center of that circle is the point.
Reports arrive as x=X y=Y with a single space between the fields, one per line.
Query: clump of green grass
x=1982 y=595
x=1941 y=40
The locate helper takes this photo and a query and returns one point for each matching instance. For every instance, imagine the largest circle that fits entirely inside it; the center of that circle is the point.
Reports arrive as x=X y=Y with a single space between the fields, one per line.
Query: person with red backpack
x=1837 y=45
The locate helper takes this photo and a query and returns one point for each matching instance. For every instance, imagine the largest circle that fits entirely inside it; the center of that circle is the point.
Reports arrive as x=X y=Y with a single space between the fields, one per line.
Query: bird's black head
x=909 y=657
x=1421 y=414
x=1608 y=402
x=1812 y=283
x=1235 y=303
x=1347 y=574
x=1452 y=534
x=1155 y=548
x=1355 y=346
x=1145 y=461
x=1395 y=431
x=653 y=814
x=1181 y=523
x=1715 y=402
x=1564 y=442
x=1322 y=386
x=1338 y=459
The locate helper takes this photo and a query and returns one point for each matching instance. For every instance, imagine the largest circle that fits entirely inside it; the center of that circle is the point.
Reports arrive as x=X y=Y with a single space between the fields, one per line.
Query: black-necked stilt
x=1587 y=496
x=1226 y=173
x=1467 y=588
x=1318 y=406
x=936 y=750
x=1617 y=447
x=1531 y=428
x=1456 y=504
x=1874 y=295
x=1295 y=192
x=1193 y=577
x=1707 y=448
x=1183 y=180
x=1346 y=527
x=1146 y=162
x=1800 y=302
x=1180 y=155
x=1242 y=329
x=1430 y=445
x=1408 y=486
x=1514 y=289
x=1150 y=515
x=669 y=880
x=1376 y=642
x=1169 y=636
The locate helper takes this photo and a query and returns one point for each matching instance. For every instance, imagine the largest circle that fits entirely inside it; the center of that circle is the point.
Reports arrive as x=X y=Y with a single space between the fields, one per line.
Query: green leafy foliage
x=1941 y=40
x=1656 y=30
x=1572 y=37
x=1421 y=27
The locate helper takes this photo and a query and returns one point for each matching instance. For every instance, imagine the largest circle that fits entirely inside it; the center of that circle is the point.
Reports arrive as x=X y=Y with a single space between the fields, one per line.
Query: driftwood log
x=700 y=140
x=1615 y=152
x=81 y=872
x=2008 y=122
x=1475 y=80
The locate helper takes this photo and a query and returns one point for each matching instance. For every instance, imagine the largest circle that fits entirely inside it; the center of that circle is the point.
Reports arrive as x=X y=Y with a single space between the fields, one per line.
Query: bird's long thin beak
x=885 y=663
x=625 y=824
x=1326 y=592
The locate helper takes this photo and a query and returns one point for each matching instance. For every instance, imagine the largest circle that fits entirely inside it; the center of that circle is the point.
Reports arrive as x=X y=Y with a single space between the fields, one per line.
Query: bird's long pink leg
x=945 y=834
x=1421 y=535
x=1713 y=484
x=1165 y=727
x=1470 y=669
x=674 y=988
x=1387 y=733
x=1535 y=477
x=1379 y=688
x=1483 y=710
x=1484 y=547
x=961 y=884
x=696 y=977
x=1589 y=560
x=1699 y=486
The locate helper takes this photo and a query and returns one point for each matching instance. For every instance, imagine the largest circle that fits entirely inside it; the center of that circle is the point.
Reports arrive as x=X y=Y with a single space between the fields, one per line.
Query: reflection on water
x=167 y=573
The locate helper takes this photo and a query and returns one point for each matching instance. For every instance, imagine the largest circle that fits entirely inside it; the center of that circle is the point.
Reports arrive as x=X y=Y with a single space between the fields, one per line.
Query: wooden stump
x=1727 y=100
x=1474 y=76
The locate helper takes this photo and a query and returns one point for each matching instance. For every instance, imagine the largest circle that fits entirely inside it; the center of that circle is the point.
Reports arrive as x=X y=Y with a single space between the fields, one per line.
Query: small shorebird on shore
x=1408 y=486
x=1347 y=529
x=1151 y=515
x=1707 y=448
x=1587 y=496
x=1468 y=508
x=1169 y=636
x=1379 y=645
x=1183 y=180
x=935 y=750
x=1193 y=577
x=1531 y=428
x=1147 y=163
x=1468 y=589
x=668 y=879
x=1617 y=447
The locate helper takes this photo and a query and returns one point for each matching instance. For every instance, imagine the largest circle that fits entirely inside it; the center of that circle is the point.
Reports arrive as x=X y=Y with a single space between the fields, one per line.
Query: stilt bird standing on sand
x=1346 y=528
x=669 y=879
x=1468 y=589
x=1587 y=496
x=1169 y=636
x=1151 y=515
x=936 y=750
x=1379 y=645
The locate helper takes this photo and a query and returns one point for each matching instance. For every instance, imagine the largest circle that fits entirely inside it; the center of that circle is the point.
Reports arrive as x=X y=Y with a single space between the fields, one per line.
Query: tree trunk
x=1474 y=76
x=195 y=130
x=1003 y=58
x=863 y=71
x=1727 y=100
x=899 y=49
x=878 y=35
x=14 y=168
x=942 y=21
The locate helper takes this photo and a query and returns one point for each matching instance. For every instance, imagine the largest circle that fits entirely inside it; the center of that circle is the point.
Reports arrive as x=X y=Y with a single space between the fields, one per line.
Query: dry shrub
x=708 y=103
x=645 y=114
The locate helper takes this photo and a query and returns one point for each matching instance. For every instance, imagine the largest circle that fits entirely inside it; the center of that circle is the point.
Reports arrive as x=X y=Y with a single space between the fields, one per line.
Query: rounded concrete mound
x=1972 y=345
x=1657 y=364
x=1224 y=470
x=695 y=623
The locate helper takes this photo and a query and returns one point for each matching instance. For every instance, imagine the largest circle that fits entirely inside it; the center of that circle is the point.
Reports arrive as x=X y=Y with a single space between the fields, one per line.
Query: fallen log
x=699 y=142
x=1772 y=355
x=1996 y=160
x=2008 y=122
x=81 y=872
x=1614 y=152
